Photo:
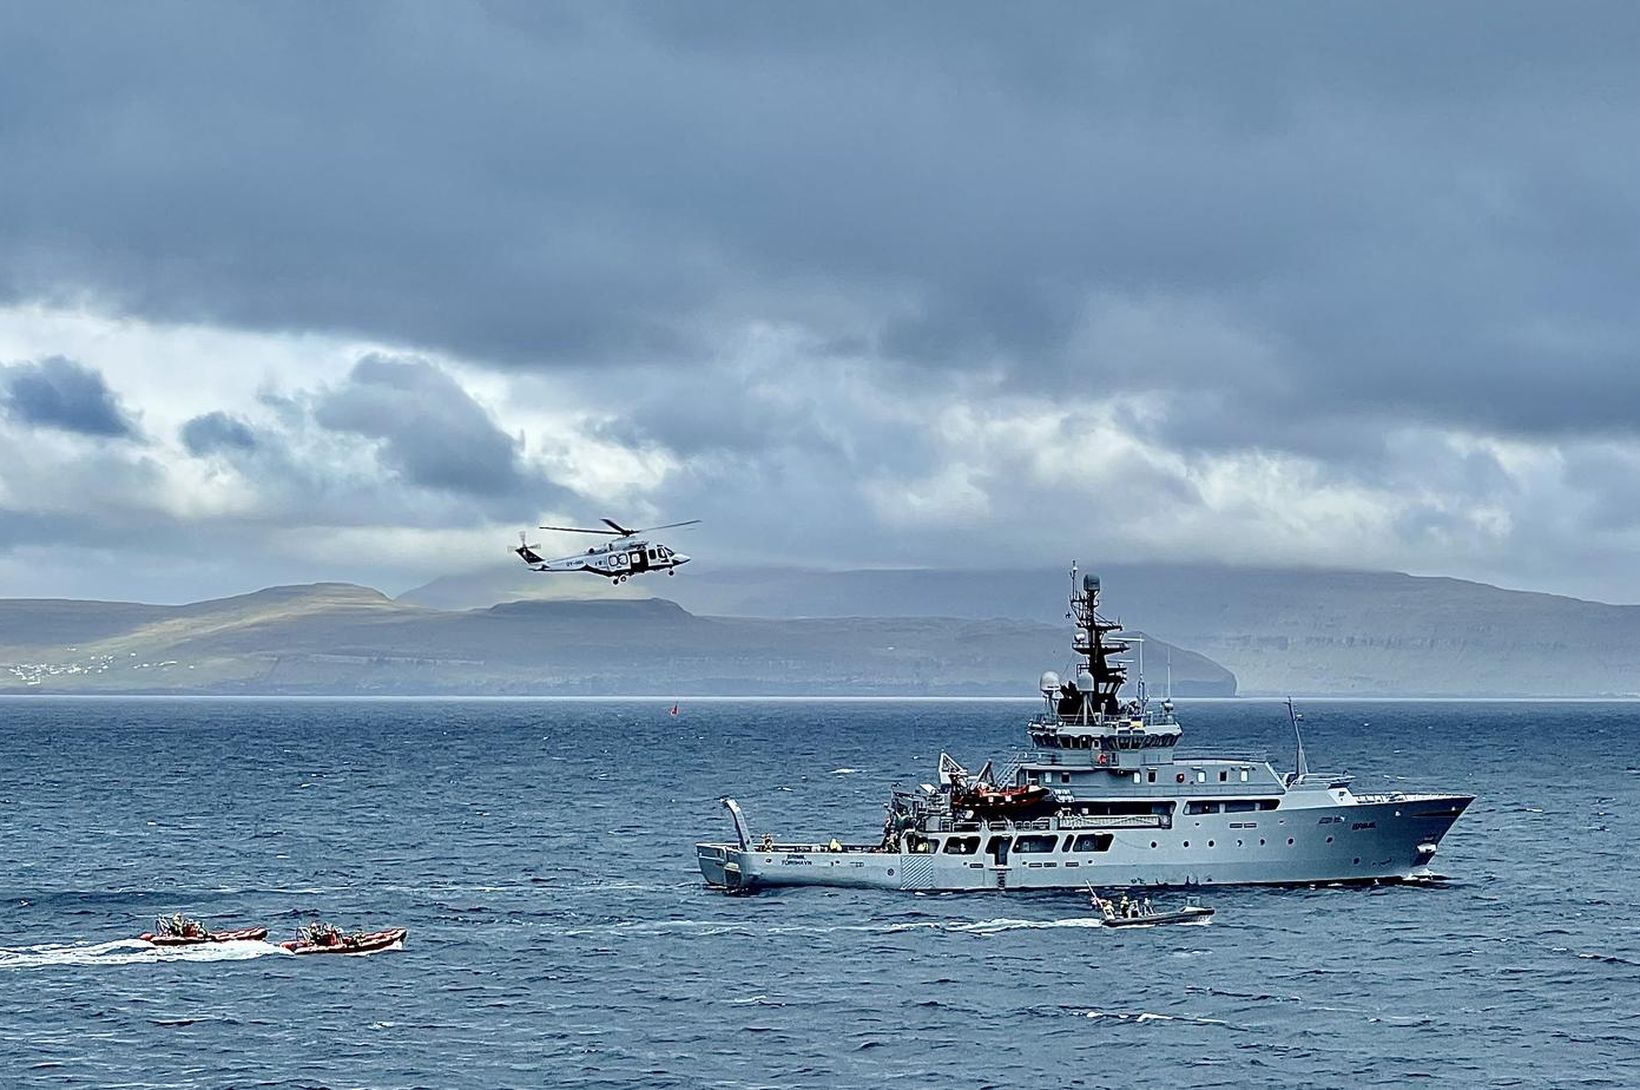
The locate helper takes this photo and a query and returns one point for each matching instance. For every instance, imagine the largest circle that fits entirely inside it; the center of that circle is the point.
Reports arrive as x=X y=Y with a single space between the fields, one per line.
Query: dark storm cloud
x=431 y=432
x=217 y=431
x=62 y=394
x=1414 y=213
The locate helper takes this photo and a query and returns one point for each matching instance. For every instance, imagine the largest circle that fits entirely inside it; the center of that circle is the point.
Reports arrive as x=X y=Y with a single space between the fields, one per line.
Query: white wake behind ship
x=1104 y=796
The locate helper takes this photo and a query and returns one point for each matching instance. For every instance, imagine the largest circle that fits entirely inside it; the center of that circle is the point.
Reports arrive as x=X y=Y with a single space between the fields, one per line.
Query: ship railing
x=1384 y=796
x=1327 y=779
x=1119 y=821
x=1009 y=769
x=1034 y=823
x=1120 y=722
x=804 y=849
x=1076 y=821
x=1187 y=756
x=947 y=825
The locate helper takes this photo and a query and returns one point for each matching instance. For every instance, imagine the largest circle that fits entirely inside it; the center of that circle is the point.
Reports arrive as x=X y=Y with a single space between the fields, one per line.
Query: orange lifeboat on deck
x=1004 y=801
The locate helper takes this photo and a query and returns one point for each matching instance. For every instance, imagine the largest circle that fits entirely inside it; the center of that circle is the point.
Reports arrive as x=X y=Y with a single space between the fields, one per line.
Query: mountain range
x=1279 y=631
x=1220 y=630
x=345 y=639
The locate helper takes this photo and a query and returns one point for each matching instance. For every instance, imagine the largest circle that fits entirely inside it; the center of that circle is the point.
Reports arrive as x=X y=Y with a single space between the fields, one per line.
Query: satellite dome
x=1090 y=583
x=1049 y=682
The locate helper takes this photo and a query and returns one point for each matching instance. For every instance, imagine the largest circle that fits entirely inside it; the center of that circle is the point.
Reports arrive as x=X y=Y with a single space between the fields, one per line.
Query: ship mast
x=1097 y=644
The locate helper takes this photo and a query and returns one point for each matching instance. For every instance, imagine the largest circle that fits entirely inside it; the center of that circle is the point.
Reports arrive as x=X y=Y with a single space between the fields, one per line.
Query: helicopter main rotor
x=617 y=530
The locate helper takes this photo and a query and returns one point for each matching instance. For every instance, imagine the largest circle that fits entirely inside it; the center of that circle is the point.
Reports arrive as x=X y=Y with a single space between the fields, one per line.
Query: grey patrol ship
x=1104 y=797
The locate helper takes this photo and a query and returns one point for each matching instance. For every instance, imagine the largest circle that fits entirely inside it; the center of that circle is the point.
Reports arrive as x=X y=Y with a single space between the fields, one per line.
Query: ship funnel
x=1049 y=683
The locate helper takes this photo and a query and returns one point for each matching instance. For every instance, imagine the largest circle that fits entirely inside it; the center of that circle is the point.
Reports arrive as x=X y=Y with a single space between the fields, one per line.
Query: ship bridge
x=1083 y=720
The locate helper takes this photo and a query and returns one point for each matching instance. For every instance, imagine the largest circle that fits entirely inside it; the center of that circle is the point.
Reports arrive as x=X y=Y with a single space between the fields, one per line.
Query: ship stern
x=720 y=865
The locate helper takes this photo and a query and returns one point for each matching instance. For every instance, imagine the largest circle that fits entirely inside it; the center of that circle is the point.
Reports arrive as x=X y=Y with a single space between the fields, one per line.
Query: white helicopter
x=616 y=560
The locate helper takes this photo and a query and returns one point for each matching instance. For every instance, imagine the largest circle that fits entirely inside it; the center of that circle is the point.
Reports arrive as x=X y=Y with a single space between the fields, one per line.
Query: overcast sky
x=295 y=292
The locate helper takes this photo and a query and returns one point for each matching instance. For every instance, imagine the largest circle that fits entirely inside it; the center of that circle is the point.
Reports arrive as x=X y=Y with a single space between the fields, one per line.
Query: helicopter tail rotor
x=526 y=551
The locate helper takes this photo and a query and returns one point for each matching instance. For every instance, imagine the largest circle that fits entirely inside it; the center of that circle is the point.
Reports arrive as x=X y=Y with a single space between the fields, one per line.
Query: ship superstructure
x=1103 y=795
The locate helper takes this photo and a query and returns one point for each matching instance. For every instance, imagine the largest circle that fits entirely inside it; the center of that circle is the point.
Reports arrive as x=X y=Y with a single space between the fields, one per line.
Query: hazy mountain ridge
x=1315 y=632
x=342 y=639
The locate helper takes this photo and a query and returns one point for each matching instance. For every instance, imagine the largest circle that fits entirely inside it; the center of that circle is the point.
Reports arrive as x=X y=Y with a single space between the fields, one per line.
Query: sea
x=541 y=854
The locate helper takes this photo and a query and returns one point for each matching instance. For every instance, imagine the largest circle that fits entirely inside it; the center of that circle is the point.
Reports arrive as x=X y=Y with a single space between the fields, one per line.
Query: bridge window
x=1035 y=844
x=1093 y=842
x=1224 y=776
x=1152 y=776
x=961 y=845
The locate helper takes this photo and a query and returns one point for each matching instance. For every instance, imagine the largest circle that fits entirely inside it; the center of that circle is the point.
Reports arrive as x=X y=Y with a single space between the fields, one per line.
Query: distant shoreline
x=789 y=699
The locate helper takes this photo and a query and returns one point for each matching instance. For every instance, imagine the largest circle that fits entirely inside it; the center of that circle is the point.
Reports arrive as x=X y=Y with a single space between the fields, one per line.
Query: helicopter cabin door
x=636 y=555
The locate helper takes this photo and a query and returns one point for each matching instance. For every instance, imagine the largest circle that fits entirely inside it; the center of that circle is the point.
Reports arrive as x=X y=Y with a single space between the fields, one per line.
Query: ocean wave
x=1141 y=1018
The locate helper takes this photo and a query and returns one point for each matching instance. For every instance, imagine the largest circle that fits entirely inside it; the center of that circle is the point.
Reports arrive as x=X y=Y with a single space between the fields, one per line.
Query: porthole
x=1358 y=860
x=1261 y=842
x=1238 y=844
x=1187 y=843
x=1289 y=842
x=1209 y=843
x=1152 y=843
x=1329 y=840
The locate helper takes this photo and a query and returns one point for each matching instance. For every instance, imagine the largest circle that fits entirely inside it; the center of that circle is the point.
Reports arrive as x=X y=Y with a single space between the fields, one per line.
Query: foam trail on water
x=721 y=927
x=128 y=952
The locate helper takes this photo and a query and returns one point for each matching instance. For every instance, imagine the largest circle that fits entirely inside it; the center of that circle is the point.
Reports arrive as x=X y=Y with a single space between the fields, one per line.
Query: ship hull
x=1388 y=841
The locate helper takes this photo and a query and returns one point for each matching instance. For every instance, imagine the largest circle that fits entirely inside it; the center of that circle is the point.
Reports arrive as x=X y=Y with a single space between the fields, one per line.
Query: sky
x=329 y=291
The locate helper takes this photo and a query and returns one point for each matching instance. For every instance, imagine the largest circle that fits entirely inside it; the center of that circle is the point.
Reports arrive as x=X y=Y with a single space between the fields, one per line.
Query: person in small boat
x=768 y=842
x=1145 y=909
x=1123 y=907
x=180 y=926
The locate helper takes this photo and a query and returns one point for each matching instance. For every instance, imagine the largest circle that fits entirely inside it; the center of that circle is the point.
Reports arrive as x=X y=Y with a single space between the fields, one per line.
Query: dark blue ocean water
x=541 y=855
